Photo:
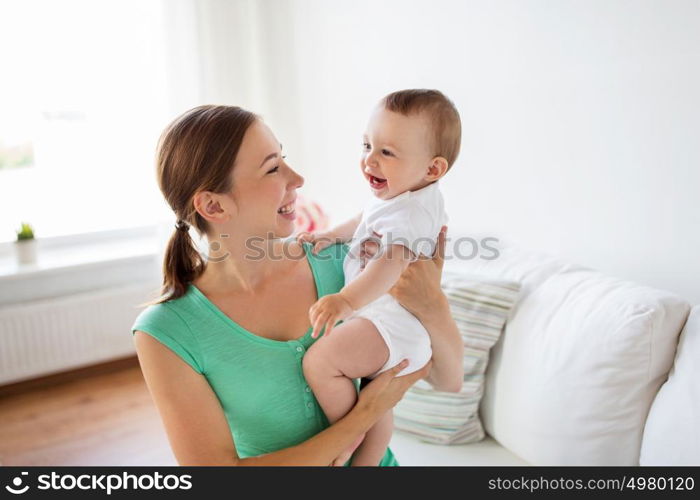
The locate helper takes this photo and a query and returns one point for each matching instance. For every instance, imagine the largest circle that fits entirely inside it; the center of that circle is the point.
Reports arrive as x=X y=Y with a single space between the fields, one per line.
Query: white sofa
x=590 y=370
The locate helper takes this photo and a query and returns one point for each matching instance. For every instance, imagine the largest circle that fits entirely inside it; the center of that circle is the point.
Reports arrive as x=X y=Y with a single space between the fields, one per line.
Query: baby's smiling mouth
x=376 y=182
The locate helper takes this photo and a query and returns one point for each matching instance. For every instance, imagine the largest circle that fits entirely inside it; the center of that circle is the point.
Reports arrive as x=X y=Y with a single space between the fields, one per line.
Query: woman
x=222 y=349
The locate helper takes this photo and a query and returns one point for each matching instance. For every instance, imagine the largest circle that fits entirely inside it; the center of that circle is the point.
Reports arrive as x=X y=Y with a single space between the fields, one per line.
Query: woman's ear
x=208 y=205
x=436 y=169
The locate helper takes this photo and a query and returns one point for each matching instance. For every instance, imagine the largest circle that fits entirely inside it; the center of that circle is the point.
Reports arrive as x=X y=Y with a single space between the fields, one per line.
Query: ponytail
x=182 y=264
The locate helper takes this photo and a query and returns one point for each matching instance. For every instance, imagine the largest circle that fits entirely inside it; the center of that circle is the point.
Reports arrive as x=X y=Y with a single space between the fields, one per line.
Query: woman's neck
x=236 y=268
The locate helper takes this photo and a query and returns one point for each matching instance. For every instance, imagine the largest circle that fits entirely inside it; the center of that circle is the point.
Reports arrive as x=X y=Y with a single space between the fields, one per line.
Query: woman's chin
x=285 y=228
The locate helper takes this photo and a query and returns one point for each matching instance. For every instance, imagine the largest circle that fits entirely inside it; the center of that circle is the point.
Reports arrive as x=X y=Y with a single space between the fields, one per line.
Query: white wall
x=580 y=119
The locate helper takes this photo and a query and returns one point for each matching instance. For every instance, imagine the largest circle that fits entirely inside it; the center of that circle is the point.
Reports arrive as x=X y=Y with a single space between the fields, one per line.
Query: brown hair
x=196 y=152
x=442 y=115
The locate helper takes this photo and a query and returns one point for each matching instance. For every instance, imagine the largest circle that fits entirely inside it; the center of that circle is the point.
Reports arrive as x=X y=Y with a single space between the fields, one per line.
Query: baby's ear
x=436 y=169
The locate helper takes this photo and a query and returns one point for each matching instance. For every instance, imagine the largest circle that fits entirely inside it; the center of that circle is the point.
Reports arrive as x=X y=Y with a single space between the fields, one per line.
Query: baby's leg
x=376 y=441
x=354 y=349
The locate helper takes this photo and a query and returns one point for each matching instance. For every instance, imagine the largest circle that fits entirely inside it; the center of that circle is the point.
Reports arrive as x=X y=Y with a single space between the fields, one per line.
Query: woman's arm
x=199 y=433
x=418 y=290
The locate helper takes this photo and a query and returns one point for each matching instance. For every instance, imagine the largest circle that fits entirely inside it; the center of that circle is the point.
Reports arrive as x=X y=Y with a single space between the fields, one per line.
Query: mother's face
x=264 y=189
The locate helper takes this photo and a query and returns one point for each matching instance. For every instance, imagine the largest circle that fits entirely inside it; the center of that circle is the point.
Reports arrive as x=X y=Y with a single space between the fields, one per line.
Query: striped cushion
x=480 y=307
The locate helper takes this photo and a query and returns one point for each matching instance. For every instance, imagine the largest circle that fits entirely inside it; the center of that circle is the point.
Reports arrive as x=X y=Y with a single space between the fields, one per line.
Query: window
x=83 y=99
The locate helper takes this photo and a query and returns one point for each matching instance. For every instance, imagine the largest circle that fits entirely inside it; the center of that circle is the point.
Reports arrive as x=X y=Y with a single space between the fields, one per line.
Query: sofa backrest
x=672 y=430
x=581 y=359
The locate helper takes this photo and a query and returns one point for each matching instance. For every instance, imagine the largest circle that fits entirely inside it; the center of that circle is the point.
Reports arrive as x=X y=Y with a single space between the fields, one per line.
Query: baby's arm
x=380 y=274
x=345 y=230
x=340 y=233
x=374 y=281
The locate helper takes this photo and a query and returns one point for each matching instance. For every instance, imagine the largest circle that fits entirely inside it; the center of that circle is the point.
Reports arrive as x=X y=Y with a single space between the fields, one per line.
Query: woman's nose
x=297 y=180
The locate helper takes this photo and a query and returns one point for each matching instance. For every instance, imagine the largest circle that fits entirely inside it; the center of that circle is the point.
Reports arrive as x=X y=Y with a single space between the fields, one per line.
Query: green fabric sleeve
x=167 y=326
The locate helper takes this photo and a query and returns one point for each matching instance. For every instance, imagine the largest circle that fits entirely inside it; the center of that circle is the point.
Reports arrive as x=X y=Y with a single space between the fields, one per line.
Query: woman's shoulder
x=335 y=252
x=166 y=323
x=327 y=266
x=332 y=254
x=160 y=316
x=168 y=314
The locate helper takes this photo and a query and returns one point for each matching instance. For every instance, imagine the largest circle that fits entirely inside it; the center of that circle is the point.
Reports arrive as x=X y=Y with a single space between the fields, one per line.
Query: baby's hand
x=319 y=240
x=328 y=310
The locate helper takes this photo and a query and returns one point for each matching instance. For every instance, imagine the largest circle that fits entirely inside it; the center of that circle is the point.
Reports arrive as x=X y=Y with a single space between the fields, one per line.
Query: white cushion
x=672 y=432
x=572 y=378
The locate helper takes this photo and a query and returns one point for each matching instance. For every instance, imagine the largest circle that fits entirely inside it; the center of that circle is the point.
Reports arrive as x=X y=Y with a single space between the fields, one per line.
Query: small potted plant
x=26 y=244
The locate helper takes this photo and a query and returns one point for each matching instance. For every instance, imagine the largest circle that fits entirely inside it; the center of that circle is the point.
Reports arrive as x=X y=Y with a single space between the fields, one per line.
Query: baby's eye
x=386 y=152
x=365 y=146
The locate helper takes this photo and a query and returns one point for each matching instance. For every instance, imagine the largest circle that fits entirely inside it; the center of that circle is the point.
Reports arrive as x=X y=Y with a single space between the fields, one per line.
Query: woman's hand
x=385 y=390
x=418 y=289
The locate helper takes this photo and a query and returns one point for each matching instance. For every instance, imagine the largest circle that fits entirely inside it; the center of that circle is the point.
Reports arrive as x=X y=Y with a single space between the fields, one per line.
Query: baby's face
x=396 y=153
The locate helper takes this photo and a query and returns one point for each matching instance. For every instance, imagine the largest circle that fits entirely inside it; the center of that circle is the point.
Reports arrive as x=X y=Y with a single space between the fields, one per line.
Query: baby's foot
x=345 y=456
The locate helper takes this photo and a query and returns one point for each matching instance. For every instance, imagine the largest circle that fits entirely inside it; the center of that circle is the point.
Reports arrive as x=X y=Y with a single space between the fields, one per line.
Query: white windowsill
x=79 y=263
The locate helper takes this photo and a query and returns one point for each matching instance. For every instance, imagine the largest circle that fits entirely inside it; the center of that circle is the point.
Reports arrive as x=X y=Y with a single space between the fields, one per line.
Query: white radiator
x=52 y=335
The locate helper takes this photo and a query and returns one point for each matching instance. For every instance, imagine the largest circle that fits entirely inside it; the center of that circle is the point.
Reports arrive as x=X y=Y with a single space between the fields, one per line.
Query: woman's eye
x=276 y=168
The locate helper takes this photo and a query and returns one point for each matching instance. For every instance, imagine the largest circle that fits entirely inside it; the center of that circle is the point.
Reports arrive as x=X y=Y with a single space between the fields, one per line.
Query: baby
x=412 y=140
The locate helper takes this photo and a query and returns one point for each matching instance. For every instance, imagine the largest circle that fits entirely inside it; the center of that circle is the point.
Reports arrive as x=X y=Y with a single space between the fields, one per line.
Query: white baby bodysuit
x=412 y=219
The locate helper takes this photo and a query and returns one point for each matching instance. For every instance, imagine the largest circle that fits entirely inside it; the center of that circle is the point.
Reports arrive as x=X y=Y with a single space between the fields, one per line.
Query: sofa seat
x=410 y=451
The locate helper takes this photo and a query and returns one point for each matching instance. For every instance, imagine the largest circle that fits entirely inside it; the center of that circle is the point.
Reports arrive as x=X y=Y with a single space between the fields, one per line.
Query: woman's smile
x=288 y=211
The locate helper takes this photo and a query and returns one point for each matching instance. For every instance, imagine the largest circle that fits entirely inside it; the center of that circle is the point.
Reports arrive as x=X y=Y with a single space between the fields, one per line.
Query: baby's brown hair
x=441 y=113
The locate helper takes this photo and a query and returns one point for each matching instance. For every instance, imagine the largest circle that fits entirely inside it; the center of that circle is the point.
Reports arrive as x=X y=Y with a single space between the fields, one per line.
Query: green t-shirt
x=259 y=381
